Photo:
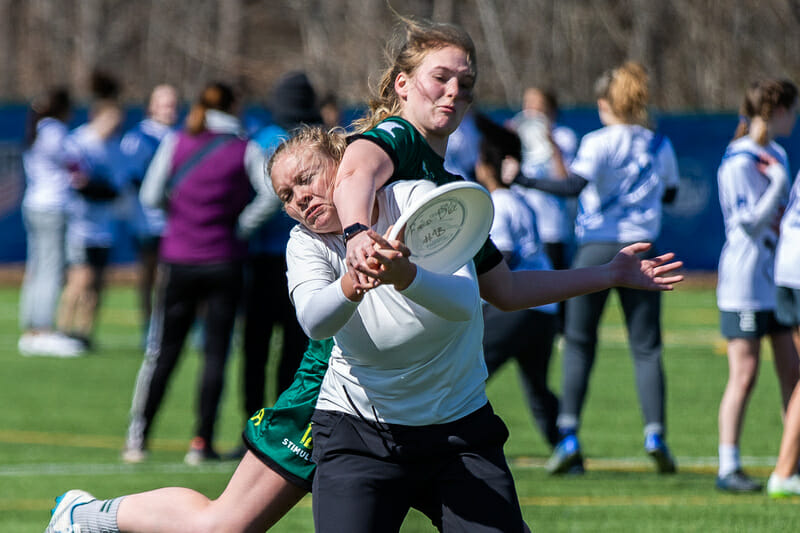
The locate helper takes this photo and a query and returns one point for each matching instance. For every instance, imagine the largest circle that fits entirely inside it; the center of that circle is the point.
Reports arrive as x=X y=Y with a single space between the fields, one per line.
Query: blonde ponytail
x=626 y=90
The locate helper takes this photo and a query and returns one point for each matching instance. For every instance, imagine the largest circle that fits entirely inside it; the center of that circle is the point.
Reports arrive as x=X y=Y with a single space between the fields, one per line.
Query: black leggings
x=526 y=336
x=182 y=289
x=266 y=304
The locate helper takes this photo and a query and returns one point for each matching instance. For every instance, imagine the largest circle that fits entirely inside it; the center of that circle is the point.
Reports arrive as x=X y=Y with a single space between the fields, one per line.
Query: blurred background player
x=753 y=189
x=96 y=184
x=330 y=111
x=548 y=150
x=525 y=335
x=44 y=209
x=623 y=173
x=139 y=145
x=205 y=176
x=463 y=147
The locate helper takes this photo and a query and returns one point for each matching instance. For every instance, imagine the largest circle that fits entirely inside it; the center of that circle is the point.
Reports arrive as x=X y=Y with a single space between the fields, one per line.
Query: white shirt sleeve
x=734 y=195
x=154 y=187
x=322 y=308
x=266 y=202
x=315 y=285
x=452 y=297
x=501 y=225
x=588 y=162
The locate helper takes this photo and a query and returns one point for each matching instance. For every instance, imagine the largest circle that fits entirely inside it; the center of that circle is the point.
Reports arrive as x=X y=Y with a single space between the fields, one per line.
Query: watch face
x=353 y=229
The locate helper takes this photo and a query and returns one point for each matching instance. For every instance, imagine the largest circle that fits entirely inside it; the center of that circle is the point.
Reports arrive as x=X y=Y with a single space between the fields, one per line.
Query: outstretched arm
x=520 y=289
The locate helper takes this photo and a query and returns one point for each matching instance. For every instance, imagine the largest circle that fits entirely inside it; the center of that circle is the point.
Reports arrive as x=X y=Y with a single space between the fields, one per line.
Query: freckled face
x=302 y=180
x=438 y=93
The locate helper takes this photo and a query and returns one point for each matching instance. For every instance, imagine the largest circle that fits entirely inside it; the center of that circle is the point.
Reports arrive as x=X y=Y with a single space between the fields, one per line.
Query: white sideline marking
x=223 y=467
x=644 y=462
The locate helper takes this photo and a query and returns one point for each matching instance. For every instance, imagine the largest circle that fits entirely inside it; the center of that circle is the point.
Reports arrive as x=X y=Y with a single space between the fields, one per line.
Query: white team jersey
x=787 y=257
x=626 y=181
x=394 y=360
x=45 y=162
x=745 y=274
x=91 y=223
x=514 y=229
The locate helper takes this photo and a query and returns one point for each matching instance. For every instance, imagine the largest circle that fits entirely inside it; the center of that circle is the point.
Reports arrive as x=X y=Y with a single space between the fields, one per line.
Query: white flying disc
x=446 y=227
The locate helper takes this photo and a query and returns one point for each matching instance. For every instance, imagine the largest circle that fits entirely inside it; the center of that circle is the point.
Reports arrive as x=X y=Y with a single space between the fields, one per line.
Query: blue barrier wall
x=692 y=226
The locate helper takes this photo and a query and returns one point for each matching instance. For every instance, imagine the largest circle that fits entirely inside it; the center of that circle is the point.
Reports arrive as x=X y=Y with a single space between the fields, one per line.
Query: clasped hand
x=378 y=260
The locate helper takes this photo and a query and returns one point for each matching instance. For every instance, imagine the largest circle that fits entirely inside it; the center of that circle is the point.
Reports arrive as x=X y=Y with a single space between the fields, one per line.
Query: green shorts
x=281 y=435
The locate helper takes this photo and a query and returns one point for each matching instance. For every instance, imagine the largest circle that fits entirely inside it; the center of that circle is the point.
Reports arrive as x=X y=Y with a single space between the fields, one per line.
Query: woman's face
x=439 y=92
x=302 y=180
x=783 y=120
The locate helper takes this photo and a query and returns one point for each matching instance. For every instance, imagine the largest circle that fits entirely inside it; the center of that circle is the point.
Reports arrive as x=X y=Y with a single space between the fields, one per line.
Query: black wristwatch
x=352 y=230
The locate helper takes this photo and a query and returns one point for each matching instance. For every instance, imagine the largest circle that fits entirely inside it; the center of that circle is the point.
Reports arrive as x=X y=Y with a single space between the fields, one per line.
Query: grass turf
x=62 y=425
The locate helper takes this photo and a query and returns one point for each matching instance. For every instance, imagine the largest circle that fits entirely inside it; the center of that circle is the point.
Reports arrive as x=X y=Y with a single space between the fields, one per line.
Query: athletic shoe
x=656 y=448
x=566 y=455
x=26 y=344
x=577 y=469
x=783 y=487
x=199 y=452
x=59 y=345
x=134 y=455
x=61 y=519
x=49 y=344
x=738 y=481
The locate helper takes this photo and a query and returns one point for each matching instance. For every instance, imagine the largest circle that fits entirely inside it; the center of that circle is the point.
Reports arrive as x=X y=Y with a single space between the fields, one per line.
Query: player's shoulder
x=408 y=190
x=605 y=136
x=741 y=153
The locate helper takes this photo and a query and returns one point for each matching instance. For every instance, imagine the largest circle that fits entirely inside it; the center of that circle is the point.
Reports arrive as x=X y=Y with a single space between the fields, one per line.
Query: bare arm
x=364 y=169
x=520 y=289
x=559 y=168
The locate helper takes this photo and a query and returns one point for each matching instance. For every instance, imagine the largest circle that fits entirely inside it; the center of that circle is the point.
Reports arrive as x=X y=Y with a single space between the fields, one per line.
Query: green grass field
x=62 y=425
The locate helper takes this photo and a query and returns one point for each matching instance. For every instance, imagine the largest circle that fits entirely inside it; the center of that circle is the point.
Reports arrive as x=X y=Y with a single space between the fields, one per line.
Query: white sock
x=98 y=516
x=728 y=459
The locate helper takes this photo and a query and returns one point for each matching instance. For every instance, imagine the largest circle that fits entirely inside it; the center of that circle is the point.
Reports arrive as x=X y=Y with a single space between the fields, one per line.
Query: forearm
x=99 y=190
x=354 y=197
x=521 y=289
x=766 y=209
x=569 y=186
x=559 y=168
x=452 y=297
x=322 y=312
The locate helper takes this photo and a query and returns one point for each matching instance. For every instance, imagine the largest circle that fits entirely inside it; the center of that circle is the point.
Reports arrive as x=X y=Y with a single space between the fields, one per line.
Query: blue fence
x=692 y=226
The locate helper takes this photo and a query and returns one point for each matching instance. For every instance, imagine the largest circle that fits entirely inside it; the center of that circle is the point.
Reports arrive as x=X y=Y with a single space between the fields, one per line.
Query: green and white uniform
x=280 y=435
